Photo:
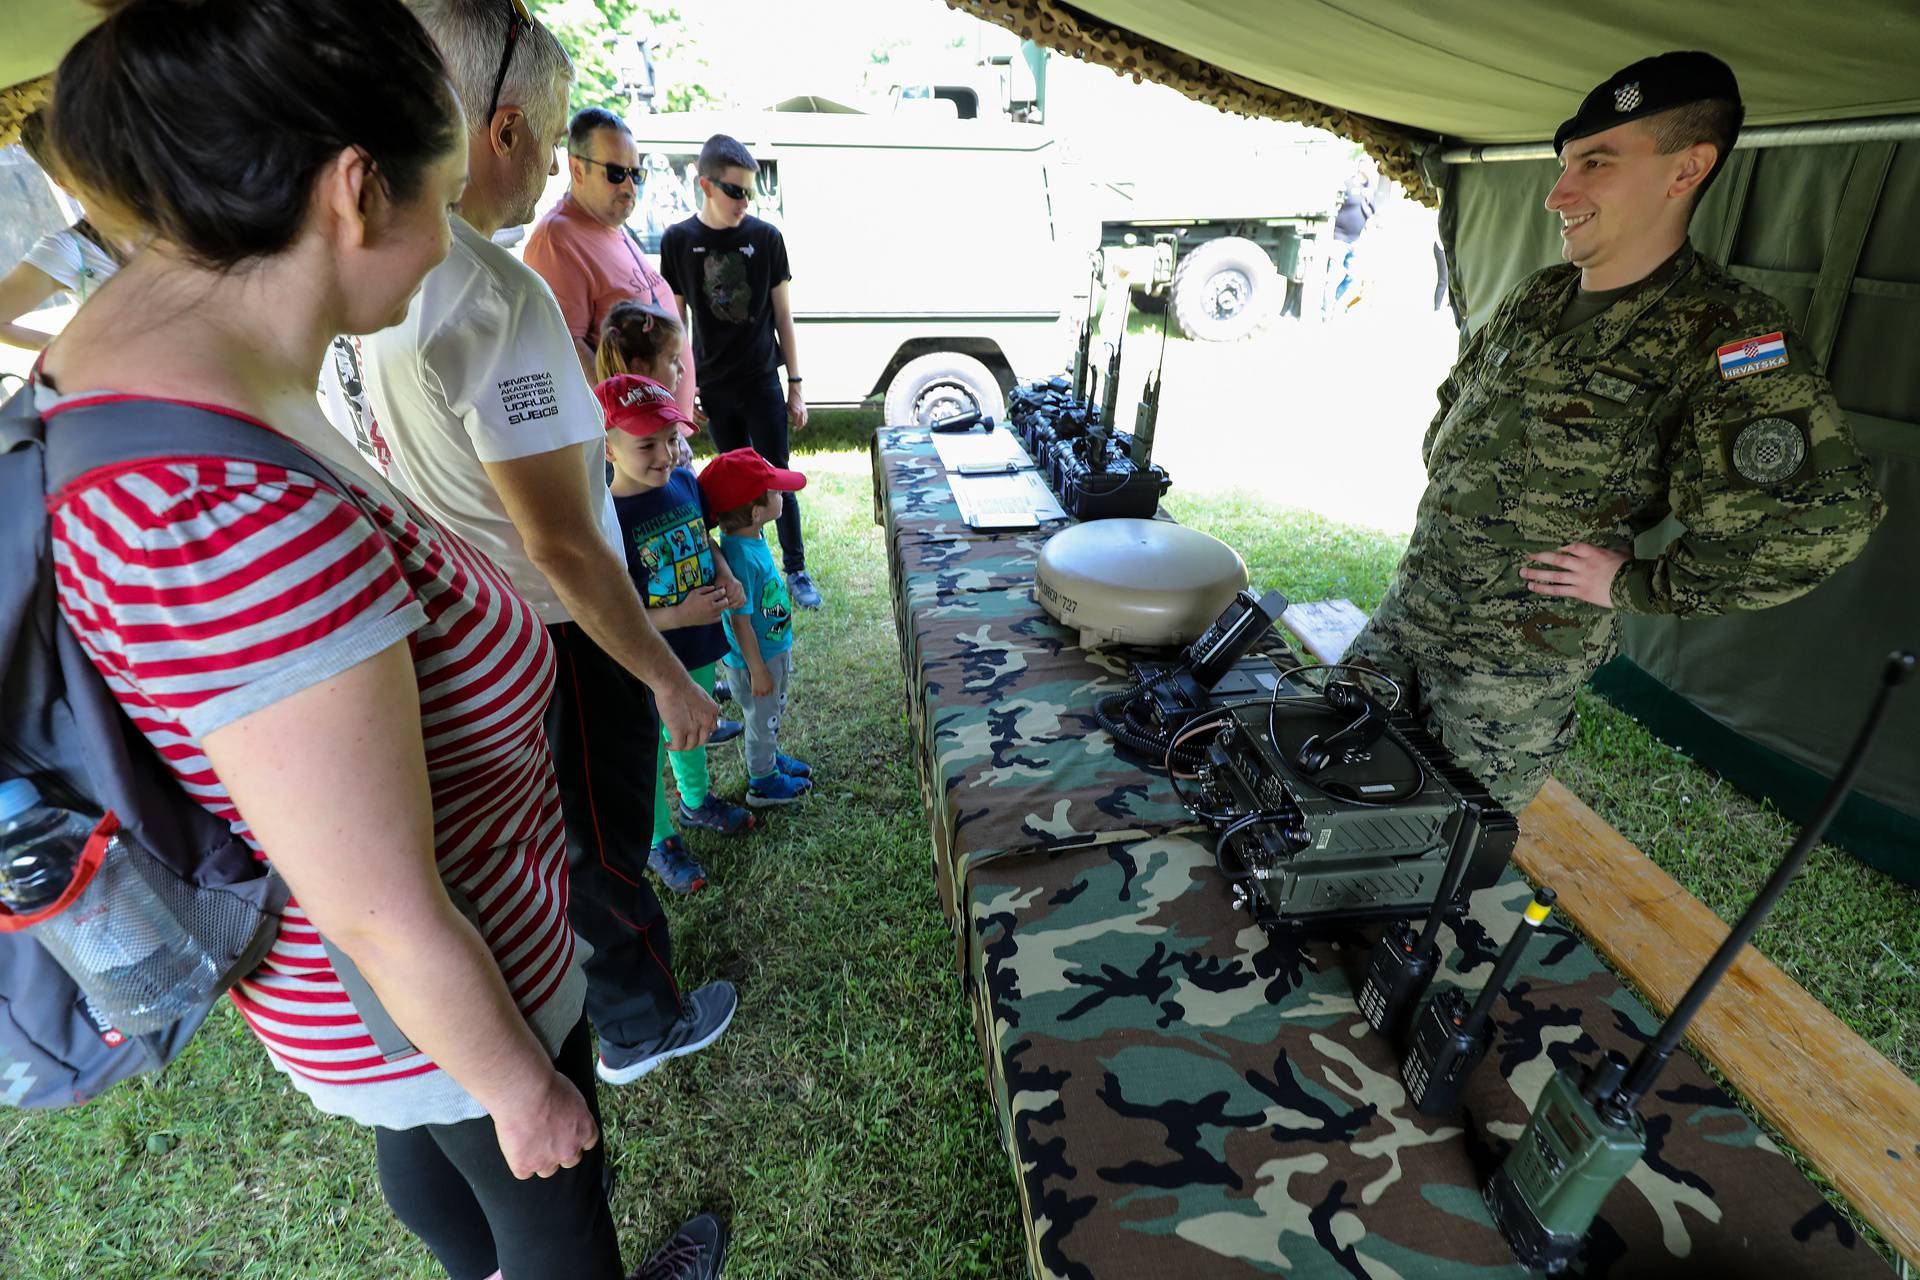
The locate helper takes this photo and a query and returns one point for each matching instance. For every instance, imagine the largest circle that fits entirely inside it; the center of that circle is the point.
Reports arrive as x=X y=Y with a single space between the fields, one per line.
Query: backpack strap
x=115 y=432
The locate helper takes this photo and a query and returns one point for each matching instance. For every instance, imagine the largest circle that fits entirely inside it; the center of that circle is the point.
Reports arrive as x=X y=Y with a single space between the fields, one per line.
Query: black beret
x=1649 y=86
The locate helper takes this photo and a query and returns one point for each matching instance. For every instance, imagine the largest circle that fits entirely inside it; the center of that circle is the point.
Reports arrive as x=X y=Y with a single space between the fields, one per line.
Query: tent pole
x=1875 y=129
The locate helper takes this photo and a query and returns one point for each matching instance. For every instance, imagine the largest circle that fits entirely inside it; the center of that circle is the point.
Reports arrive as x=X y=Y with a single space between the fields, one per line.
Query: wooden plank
x=1325 y=627
x=1843 y=1106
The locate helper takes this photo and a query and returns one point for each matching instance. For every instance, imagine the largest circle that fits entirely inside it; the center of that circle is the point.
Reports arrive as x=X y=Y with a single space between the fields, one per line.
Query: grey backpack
x=61 y=728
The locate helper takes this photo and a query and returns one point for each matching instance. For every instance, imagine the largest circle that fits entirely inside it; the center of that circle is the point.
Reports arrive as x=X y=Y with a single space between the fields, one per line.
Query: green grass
x=843 y=1123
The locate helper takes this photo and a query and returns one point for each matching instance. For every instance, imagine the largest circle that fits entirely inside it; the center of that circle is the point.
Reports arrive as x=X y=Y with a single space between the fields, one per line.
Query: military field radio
x=1068 y=426
x=1326 y=804
x=1585 y=1134
x=1449 y=1039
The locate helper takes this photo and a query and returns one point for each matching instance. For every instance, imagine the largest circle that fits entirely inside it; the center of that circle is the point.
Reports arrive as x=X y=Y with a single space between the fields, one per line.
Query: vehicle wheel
x=1224 y=289
x=931 y=387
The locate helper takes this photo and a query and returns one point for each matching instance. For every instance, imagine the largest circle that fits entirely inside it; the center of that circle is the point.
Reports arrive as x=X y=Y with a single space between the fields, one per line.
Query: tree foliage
x=598 y=36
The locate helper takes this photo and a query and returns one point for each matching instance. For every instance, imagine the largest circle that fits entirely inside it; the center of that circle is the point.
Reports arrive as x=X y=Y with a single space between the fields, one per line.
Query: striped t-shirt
x=205 y=589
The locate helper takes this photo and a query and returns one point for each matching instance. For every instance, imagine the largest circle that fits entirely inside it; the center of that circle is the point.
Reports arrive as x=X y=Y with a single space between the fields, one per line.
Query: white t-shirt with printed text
x=483 y=369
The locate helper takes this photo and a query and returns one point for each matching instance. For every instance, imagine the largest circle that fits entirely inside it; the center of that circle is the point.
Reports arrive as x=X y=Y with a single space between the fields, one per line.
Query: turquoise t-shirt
x=767 y=603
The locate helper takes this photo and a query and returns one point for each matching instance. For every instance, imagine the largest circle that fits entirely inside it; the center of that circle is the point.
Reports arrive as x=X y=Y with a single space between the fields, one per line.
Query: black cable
x=1655 y=1055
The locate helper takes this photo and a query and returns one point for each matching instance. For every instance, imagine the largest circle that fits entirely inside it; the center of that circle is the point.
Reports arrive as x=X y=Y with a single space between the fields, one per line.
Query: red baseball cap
x=640 y=406
x=740 y=476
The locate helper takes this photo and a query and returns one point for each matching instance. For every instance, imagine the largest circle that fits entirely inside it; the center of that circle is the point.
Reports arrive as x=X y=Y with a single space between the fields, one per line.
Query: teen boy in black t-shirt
x=729 y=272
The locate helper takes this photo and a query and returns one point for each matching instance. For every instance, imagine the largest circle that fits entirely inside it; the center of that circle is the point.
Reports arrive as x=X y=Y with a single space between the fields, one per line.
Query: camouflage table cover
x=1181 y=1094
x=1001 y=696
x=1184 y=1095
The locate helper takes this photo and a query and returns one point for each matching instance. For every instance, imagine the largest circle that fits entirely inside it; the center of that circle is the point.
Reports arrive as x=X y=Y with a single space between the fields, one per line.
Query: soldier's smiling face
x=1622 y=202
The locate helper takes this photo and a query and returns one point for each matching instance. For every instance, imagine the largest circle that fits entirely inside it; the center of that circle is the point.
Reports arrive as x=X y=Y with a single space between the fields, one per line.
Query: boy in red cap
x=748 y=493
x=685 y=586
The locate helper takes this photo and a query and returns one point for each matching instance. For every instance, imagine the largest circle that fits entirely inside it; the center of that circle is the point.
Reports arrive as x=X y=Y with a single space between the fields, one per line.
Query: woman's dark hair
x=632 y=335
x=208 y=120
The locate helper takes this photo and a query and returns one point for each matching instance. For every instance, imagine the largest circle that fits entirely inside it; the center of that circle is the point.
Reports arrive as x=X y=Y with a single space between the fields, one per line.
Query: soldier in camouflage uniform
x=1636 y=381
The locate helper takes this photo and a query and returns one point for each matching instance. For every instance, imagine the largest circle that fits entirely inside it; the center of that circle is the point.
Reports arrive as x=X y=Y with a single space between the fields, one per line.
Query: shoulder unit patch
x=1767 y=450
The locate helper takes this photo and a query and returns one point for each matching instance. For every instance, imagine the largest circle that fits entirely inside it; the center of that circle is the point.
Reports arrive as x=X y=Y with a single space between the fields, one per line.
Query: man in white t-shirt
x=492 y=428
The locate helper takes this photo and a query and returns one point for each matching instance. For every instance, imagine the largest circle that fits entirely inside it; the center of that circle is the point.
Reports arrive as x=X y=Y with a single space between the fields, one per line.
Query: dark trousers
x=754 y=412
x=605 y=737
x=449 y=1184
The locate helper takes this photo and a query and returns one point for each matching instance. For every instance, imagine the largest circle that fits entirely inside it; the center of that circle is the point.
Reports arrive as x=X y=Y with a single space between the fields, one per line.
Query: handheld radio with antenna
x=1586 y=1134
x=1449 y=1039
x=1400 y=966
x=1166 y=249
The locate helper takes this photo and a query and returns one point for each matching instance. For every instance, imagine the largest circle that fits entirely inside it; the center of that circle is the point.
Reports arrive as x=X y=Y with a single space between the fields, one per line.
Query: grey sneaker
x=707 y=1013
x=800 y=587
x=697 y=1251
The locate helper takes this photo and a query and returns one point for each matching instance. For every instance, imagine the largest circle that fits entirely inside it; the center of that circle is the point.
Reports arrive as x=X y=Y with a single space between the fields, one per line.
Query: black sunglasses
x=616 y=173
x=517 y=21
x=733 y=189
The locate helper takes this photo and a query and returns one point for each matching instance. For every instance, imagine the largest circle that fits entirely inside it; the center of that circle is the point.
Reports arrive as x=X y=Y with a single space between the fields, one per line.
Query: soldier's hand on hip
x=1579 y=570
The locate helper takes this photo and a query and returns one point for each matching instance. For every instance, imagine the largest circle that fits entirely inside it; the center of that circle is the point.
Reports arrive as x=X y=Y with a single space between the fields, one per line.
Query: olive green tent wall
x=1773 y=698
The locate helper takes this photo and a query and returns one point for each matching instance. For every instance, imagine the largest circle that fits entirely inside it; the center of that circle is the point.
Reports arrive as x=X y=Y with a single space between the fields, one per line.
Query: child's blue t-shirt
x=664 y=535
x=767 y=603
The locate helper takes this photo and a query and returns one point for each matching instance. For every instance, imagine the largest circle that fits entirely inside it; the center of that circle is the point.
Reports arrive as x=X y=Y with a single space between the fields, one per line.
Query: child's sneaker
x=676 y=867
x=776 y=788
x=726 y=731
x=723 y=816
x=784 y=763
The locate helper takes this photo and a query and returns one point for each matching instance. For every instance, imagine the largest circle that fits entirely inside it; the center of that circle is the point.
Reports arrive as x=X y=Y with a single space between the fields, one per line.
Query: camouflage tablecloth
x=1001 y=697
x=1183 y=1095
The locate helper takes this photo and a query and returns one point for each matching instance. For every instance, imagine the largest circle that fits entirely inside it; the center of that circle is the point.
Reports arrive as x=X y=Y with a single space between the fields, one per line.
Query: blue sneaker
x=801 y=591
x=723 y=816
x=784 y=763
x=776 y=788
x=707 y=1012
x=726 y=731
x=676 y=867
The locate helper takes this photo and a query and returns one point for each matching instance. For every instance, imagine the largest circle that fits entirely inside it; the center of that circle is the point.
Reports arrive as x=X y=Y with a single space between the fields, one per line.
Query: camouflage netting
x=19 y=102
x=1079 y=34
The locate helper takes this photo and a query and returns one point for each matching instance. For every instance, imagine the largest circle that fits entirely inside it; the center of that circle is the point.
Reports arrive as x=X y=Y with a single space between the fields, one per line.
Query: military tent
x=1819 y=206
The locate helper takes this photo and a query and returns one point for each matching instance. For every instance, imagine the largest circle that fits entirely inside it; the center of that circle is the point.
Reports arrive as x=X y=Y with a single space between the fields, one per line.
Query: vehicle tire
x=1224 y=289
x=940 y=385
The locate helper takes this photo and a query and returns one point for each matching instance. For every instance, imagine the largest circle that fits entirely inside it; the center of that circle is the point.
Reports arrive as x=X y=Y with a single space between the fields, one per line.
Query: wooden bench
x=1844 y=1107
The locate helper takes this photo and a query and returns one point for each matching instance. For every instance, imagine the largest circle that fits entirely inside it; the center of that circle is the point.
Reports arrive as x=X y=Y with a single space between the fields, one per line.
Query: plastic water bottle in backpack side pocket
x=117 y=937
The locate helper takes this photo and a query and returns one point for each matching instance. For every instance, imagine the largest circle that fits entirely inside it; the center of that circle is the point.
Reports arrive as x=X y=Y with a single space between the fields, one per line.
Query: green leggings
x=689 y=772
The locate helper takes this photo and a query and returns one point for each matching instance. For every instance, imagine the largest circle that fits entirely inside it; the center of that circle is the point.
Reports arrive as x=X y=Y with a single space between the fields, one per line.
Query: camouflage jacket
x=1671 y=401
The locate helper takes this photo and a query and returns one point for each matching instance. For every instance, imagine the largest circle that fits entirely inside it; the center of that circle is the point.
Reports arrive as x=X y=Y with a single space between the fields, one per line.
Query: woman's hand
x=551 y=1132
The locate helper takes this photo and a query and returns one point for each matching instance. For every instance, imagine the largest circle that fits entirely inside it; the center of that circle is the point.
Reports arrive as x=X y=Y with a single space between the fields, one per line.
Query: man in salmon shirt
x=581 y=246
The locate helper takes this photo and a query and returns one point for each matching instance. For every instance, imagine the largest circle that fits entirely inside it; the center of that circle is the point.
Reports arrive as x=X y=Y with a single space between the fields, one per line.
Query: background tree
x=600 y=36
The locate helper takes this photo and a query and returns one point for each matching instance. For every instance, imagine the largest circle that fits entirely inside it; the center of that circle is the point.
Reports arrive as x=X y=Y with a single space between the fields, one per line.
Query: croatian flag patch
x=1752 y=355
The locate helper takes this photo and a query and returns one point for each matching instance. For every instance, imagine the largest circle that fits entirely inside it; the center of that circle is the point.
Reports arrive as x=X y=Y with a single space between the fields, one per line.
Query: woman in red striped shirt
x=355 y=689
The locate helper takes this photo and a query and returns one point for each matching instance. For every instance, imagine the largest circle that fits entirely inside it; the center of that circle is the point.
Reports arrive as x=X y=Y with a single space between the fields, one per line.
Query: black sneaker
x=697 y=1251
x=707 y=1013
x=800 y=587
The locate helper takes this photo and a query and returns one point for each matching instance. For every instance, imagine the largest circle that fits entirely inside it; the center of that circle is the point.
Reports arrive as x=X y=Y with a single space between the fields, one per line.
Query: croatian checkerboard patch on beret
x=1768 y=450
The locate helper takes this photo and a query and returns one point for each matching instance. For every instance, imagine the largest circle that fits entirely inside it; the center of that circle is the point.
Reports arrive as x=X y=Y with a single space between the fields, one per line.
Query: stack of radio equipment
x=1327 y=804
x=1098 y=471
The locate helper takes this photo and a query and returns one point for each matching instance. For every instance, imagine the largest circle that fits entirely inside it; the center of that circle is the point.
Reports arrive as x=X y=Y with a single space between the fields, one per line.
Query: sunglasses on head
x=518 y=20
x=732 y=189
x=616 y=173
